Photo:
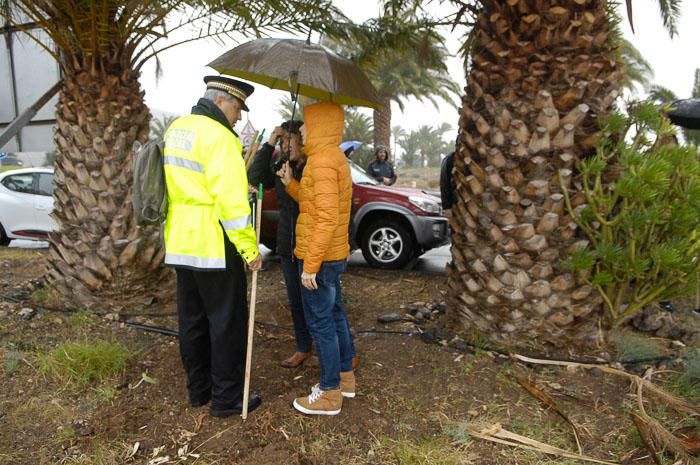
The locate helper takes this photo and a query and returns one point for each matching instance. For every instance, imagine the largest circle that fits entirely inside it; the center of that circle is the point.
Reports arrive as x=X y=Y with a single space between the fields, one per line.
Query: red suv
x=391 y=225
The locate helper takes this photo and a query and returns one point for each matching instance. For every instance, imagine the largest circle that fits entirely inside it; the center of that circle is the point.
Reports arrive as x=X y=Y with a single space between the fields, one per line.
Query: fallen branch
x=644 y=432
x=675 y=402
x=549 y=402
x=499 y=435
x=653 y=433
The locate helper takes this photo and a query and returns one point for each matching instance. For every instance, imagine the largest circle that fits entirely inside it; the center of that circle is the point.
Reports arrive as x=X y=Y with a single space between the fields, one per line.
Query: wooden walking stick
x=249 y=150
x=255 y=146
x=251 y=312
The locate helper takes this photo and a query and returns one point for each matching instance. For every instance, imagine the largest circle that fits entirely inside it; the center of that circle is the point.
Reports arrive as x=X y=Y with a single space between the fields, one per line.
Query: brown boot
x=347 y=383
x=320 y=402
x=295 y=360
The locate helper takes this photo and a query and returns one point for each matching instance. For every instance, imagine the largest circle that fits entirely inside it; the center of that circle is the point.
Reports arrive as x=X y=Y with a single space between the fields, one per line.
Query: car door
x=18 y=208
x=43 y=202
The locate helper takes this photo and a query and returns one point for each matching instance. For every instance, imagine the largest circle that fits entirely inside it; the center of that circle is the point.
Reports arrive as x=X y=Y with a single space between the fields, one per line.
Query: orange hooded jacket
x=324 y=193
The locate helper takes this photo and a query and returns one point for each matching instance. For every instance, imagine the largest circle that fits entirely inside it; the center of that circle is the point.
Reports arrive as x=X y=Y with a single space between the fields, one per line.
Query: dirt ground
x=415 y=403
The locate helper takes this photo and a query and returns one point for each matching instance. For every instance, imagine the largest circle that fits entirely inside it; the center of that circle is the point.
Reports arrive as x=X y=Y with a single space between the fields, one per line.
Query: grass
x=11 y=361
x=84 y=363
x=101 y=454
x=48 y=297
x=689 y=381
x=632 y=346
x=43 y=409
x=432 y=450
x=476 y=339
x=12 y=253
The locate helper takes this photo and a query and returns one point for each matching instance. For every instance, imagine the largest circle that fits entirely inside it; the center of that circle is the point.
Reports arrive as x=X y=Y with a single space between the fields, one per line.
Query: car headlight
x=426 y=205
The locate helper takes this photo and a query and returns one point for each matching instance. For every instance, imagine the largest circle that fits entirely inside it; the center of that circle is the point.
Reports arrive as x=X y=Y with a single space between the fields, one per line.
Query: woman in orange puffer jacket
x=324 y=196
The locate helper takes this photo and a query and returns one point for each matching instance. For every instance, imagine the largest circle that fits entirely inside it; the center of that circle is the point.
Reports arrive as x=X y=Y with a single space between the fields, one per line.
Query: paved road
x=433 y=261
x=25 y=244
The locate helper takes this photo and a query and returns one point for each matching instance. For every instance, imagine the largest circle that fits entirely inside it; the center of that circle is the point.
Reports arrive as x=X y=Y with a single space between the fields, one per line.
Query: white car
x=26 y=201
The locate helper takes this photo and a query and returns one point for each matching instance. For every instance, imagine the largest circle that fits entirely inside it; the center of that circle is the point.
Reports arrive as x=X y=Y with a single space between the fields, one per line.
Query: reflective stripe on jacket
x=207 y=190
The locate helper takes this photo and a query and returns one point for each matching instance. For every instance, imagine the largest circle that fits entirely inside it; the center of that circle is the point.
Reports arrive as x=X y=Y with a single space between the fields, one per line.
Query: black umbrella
x=686 y=113
x=302 y=67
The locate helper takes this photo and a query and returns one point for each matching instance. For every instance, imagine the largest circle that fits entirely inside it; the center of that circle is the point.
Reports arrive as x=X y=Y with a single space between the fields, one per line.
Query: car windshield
x=360 y=176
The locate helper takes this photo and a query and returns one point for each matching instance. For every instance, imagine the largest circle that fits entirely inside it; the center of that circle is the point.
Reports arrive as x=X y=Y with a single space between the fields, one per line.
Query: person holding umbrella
x=208 y=239
x=324 y=195
x=262 y=171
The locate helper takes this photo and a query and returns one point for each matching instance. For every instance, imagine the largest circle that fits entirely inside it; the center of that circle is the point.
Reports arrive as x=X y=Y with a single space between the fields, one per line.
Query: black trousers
x=213 y=316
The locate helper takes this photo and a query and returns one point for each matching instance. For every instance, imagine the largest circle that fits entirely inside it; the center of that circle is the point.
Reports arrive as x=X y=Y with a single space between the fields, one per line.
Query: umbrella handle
x=292 y=82
x=295 y=98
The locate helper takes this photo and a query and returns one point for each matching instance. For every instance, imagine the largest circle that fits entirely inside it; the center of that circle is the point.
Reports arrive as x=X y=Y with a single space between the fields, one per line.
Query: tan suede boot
x=347 y=383
x=320 y=402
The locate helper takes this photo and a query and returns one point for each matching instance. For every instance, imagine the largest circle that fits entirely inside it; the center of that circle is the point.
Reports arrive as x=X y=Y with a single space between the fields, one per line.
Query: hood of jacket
x=378 y=149
x=324 y=127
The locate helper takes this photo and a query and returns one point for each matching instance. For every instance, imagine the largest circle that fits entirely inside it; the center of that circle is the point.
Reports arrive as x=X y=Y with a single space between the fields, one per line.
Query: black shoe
x=254 y=402
x=200 y=400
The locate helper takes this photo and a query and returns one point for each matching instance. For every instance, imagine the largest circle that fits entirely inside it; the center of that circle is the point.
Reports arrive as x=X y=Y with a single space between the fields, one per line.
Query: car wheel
x=4 y=240
x=387 y=244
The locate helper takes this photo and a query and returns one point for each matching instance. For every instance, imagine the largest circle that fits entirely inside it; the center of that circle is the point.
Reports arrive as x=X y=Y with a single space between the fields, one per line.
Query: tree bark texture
x=542 y=72
x=99 y=256
x=382 y=122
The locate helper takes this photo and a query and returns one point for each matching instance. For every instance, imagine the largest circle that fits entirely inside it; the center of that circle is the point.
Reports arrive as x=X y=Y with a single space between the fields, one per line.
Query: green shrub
x=641 y=213
x=84 y=362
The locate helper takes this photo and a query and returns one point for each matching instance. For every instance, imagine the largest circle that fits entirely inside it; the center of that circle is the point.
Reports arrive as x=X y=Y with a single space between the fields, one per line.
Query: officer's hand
x=252 y=189
x=285 y=174
x=447 y=213
x=308 y=280
x=275 y=135
x=387 y=181
x=256 y=264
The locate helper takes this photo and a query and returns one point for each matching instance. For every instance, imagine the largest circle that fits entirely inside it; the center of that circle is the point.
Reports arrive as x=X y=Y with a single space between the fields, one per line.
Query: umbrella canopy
x=686 y=113
x=301 y=67
x=350 y=146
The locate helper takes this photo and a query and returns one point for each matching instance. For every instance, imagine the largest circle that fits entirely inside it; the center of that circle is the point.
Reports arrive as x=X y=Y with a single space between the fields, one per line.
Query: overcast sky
x=674 y=62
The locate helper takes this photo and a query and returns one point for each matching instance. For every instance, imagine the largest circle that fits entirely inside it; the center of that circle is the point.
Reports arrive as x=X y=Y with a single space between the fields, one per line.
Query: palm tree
x=638 y=71
x=285 y=107
x=397 y=132
x=99 y=254
x=160 y=126
x=410 y=143
x=358 y=126
x=425 y=146
x=403 y=57
x=540 y=73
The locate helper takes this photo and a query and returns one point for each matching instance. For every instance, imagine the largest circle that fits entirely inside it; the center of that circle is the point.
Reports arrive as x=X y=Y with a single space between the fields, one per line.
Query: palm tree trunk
x=382 y=122
x=541 y=75
x=98 y=253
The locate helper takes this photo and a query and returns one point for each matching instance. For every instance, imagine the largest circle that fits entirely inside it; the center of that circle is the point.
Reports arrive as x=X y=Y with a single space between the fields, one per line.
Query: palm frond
x=670 y=13
x=660 y=93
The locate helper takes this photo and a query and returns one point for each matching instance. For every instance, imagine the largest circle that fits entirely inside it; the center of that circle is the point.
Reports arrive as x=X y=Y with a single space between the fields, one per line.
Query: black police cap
x=239 y=89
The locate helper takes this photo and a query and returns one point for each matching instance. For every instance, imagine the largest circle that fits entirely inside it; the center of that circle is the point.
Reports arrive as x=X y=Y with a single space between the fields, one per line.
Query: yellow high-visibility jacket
x=207 y=188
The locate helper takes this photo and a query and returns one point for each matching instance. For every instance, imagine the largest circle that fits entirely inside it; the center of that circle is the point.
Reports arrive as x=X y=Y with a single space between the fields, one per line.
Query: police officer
x=208 y=240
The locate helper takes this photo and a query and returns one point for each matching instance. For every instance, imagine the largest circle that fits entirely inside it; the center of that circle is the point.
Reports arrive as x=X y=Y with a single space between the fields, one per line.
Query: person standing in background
x=381 y=168
x=262 y=171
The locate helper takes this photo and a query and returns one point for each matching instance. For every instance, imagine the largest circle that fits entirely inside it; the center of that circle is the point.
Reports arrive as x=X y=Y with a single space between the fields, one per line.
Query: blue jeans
x=328 y=323
x=292 y=280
